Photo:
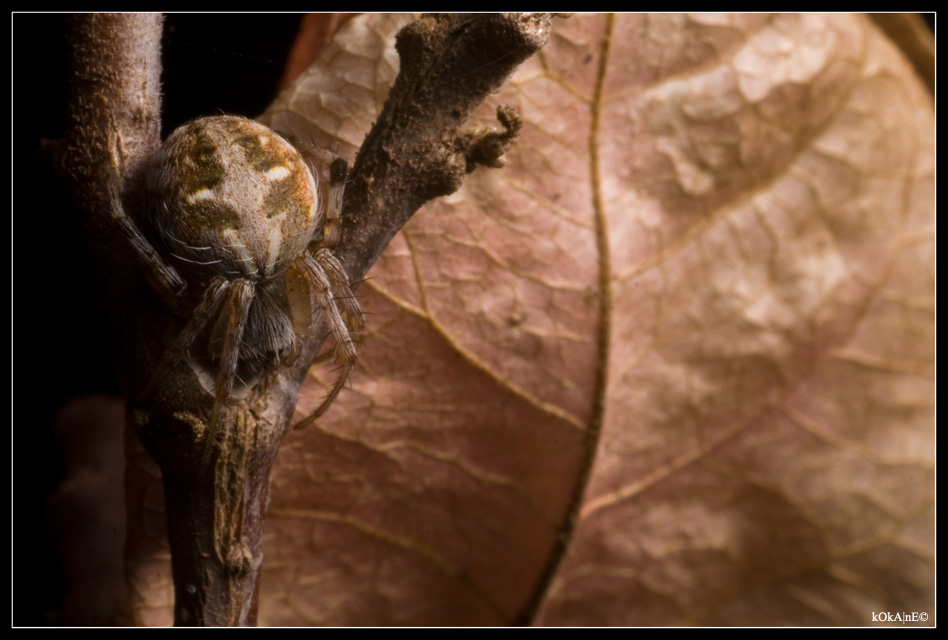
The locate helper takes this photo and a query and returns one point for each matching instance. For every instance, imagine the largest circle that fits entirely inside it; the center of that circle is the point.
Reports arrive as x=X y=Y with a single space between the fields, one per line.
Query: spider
x=231 y=231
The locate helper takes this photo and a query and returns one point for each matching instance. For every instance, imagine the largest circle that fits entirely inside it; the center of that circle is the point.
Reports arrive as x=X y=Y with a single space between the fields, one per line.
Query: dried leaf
x=674 y=364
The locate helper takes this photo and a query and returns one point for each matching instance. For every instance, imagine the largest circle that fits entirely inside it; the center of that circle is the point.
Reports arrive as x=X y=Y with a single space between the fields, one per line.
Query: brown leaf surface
x=673 y=365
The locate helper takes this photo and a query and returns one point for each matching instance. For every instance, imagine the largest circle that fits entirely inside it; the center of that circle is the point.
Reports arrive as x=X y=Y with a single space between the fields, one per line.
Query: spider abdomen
x=231 y=197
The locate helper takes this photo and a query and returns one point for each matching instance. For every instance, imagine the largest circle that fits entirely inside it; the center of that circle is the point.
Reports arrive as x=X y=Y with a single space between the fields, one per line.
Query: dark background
x=212 y=63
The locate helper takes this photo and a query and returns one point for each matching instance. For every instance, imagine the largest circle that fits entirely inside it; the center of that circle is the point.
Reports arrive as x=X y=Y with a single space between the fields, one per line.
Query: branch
x=416 y=151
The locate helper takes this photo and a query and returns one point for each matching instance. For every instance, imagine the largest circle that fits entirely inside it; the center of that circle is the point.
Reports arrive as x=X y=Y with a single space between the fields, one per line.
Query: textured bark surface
x=673 y=365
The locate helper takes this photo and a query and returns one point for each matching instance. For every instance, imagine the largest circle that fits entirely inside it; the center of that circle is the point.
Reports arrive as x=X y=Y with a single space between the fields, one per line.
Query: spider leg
x=355 y=318
x=345 y=350
x=329 y=282
x=238 y=310
x=206 y=310
x=332 y=228
x=332 y=233
x=338 y=174
x=162 y=276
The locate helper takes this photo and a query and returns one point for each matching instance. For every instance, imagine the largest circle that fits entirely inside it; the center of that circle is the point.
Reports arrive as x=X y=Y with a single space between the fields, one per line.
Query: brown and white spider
x=230 y=233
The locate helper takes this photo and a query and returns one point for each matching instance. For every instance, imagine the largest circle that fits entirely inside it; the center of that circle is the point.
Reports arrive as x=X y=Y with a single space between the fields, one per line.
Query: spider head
x=231 y=197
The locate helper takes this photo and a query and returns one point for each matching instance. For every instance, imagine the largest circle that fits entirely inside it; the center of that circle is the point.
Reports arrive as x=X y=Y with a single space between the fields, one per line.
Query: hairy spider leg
x=330 y=284
x=162 y=276
x=208 y=308
x=355 y=318
x=238 y=310
x=345 y=350
x=332 y=228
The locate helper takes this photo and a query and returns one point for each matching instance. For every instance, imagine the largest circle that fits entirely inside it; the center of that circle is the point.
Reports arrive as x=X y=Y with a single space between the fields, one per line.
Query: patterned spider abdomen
x=231 y=197
x=233 y=204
